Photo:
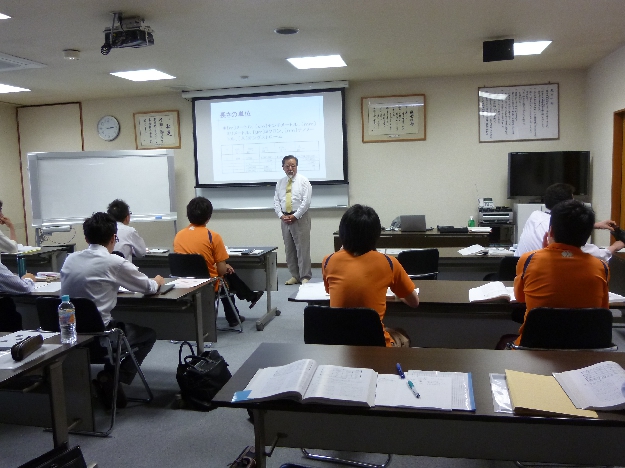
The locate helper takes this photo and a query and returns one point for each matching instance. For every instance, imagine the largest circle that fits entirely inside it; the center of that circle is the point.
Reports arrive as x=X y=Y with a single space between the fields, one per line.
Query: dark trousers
x=141 y=339
x=238 y=287
x=10 y=318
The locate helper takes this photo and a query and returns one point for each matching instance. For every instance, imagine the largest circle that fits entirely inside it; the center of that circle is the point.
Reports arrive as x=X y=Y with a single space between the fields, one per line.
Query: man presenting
x=291 y=202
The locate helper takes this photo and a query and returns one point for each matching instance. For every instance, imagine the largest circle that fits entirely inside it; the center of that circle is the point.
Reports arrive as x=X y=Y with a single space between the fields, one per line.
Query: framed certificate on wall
x=393 y=118
x=159 y=129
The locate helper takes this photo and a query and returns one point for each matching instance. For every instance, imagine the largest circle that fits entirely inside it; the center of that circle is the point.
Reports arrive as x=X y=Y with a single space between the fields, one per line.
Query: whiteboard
x=67 y=187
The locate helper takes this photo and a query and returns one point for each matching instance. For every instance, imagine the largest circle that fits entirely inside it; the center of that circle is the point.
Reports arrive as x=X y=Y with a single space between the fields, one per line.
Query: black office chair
x=420 y=263
x=567 y=329
x=357 y=326
x=10 y=318
x=506 y=271
x=106 y=350
x=353 y=326
x=194 y=266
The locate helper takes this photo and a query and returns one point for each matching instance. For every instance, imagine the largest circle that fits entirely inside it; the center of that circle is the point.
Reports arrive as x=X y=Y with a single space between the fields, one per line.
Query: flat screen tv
x=529 y=174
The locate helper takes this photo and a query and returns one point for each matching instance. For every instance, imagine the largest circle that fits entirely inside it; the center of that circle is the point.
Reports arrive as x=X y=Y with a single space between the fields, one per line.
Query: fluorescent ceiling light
x=321 y=61
x=3 y=16
x=11 y=89
x=484 y=94
x=144 y=75
x=530 y=48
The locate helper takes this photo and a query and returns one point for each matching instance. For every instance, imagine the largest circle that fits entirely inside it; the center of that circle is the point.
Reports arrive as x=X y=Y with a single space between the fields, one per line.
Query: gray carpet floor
x=156 y=435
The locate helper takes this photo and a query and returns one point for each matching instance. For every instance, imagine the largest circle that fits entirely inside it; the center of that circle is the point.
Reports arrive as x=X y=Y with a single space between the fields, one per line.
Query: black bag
x=60 y=457
x=201 y=377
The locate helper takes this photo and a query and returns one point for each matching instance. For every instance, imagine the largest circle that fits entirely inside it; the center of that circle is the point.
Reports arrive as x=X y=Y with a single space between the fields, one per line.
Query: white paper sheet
x=435 y=392
x=53 y=287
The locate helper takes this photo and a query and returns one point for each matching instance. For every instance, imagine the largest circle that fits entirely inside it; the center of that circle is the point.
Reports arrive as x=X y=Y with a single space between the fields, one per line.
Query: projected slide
x=250 y=138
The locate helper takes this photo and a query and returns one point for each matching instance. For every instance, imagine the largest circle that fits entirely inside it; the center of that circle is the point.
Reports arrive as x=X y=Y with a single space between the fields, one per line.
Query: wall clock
x=108 y=128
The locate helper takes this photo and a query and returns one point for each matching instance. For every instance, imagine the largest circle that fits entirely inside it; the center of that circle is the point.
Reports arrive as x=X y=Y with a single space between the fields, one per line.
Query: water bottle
x=471 y=222
x=67 y=321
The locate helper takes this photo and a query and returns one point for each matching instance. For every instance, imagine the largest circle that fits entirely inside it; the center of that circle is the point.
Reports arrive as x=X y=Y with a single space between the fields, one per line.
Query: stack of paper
x=491 y=292
x=472 y=250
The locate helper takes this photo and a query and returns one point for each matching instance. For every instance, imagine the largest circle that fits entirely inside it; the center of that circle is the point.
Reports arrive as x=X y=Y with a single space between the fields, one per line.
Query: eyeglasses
x=130 y=212
x=116 y=239
x=289 y=166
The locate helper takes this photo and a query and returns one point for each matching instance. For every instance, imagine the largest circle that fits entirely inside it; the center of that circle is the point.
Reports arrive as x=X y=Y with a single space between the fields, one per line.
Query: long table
x=48 y=258
x=51 y=362
x=258 y=270
x=446 y=319
x=415 y=240
x=180 y=314
x=482 y=434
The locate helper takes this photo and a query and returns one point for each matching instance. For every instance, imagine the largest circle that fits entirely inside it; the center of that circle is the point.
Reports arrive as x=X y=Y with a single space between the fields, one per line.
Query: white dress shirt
x=13 y=284
x=301 y=193
x=535 y=229
x=6 y=244
x=96 y=274
x=130 y=242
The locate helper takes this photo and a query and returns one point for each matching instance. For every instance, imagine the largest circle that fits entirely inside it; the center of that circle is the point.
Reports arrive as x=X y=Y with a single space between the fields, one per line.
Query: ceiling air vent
x=10 y=62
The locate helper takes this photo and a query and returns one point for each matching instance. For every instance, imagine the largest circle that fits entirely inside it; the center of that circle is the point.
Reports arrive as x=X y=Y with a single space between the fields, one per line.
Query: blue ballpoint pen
x=413 y=389
x=400 y=372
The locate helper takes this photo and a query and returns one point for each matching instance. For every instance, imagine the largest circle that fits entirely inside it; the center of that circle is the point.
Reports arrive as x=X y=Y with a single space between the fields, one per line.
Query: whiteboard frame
x=33 y=174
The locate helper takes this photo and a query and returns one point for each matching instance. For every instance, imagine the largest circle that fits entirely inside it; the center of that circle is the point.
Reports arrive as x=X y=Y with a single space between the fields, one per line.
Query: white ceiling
x=212 y=44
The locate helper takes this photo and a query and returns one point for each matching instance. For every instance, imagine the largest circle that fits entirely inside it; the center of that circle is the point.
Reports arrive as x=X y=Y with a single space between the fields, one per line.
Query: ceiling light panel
x=320 y=61
x=11 y=89
x=530 y=48
x=144 y=75
x=3 y=16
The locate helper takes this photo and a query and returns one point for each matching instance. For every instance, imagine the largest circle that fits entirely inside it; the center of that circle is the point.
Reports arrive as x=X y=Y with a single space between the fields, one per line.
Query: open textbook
x=491 y=291
x=308 y=382
x=600 y=386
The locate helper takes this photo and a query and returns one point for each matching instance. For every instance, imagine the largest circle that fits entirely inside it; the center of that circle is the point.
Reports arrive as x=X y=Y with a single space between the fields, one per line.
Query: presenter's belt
x=289 y=213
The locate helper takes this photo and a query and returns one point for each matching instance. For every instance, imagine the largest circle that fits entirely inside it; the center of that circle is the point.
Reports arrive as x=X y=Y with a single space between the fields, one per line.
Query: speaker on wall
x=495 y=51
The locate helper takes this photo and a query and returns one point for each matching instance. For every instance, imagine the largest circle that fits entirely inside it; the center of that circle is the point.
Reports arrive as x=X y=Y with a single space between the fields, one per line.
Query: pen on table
x=400 y=372
x=413 y=389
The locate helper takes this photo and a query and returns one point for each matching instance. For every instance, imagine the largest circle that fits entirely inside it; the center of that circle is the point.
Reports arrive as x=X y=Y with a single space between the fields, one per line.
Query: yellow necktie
x=289 y=202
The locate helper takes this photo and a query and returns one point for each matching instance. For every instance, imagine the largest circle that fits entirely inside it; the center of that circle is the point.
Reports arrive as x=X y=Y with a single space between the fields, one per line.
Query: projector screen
x=241 y=140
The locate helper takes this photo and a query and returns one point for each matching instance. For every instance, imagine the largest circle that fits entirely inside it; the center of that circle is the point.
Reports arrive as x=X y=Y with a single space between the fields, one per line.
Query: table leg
x=271 y=312
x=60 y=434
x=259 y=438
x=199 y=329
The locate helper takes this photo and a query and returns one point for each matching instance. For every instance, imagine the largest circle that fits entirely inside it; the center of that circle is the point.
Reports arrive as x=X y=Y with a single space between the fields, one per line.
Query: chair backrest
x=10 y=318
x=188 y=265
x=357 y=326
x=420 y=263
x=507 y=268
x=552 y=328
x=88 y=318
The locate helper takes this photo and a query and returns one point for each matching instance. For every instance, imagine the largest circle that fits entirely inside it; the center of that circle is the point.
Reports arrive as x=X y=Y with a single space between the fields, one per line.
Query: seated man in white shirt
x=96 y=274
x=536 y=227
x=10 y=318
x=129 y=242
x=7 y=244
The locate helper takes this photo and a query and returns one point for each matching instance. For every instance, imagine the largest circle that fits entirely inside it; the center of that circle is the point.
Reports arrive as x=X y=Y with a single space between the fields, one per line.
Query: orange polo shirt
x=362 y=281
x=562 y=276
x=199 y=240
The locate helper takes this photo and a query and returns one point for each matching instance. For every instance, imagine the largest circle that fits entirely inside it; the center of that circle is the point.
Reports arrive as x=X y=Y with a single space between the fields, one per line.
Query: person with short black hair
x=561 y=274
x=129 y=241
x=291 y=202
x=359 y=276
x=196 y=238
x=96 y=274
x=7 y=244
x=536 y=227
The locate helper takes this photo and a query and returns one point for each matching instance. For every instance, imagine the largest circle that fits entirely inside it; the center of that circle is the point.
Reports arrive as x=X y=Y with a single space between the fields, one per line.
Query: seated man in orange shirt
x=562 y=275
x=197 y=239
x=358 y=275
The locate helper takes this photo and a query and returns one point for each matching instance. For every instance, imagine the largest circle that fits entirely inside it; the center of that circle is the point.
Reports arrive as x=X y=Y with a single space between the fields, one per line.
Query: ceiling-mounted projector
x=126 y=32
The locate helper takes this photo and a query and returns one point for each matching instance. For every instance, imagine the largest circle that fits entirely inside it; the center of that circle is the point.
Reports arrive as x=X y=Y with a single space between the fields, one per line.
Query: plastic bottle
x=471 y=222
x=21 y=266
x=67 y=320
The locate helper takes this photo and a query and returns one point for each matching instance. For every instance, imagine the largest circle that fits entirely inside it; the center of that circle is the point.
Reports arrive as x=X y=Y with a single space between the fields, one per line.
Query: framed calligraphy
x=508 y=113
x=393 y=118
x=156 y=130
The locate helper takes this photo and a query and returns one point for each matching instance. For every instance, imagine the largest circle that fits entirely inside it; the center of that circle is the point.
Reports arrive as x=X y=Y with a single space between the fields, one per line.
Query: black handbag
x=60 y=457
x=201 y=377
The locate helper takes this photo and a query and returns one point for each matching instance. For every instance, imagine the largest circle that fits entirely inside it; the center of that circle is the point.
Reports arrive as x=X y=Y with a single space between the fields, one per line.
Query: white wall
x=606 y=94
x=440 y=177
